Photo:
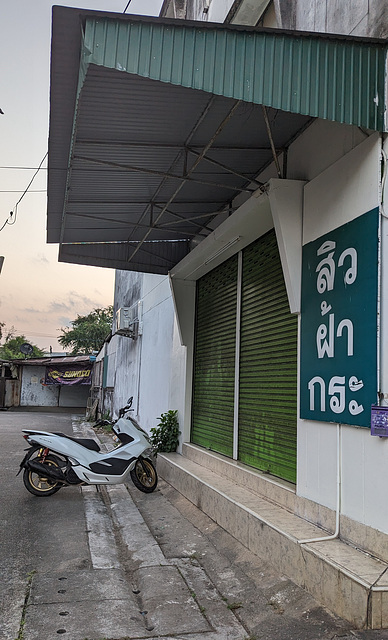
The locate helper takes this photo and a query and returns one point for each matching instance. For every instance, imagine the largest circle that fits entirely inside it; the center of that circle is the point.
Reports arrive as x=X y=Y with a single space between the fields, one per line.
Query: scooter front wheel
x=144 y=476
x=39 y=485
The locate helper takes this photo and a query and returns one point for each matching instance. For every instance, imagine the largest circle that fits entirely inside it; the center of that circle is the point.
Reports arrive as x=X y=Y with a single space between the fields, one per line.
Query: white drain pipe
x=338 y=508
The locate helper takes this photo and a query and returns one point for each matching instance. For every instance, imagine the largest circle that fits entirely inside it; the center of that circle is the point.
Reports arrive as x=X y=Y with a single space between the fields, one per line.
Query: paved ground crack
x=30 y=576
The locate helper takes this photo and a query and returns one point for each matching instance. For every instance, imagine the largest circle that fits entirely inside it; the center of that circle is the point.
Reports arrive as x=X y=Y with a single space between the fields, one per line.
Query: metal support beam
x=162 y=174
x=274 y=154
x=161 y=145
x=127 y=225
x=229 y=210
x=228 y=169
x=196 y=163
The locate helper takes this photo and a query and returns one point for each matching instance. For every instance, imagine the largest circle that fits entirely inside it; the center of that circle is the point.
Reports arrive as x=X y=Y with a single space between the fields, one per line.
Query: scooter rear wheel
x=39 y=485
x=144 y=476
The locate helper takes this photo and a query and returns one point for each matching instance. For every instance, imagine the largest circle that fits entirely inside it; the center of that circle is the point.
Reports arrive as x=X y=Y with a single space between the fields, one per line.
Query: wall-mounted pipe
x=383 y=279
x=334 y=535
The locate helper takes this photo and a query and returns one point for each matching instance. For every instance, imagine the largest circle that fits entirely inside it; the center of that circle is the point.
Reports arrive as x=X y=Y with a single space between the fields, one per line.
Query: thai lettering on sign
x=339 y=323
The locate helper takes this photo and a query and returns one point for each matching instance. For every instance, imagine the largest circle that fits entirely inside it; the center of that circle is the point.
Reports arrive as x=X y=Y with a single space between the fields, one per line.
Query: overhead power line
x=13 y=214
x=40 y=335
x=26 y=168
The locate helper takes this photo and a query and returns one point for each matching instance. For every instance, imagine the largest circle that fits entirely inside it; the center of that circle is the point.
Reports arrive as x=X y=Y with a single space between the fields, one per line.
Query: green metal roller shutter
x=268 y=364
x=214 y=359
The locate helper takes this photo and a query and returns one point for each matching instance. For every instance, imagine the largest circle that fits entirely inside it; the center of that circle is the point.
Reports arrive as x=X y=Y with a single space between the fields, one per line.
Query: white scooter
x=56 y=460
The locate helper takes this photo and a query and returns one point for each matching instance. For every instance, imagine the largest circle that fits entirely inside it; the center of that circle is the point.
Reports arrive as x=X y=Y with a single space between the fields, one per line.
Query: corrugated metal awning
x=157 y=125
x=55 y=360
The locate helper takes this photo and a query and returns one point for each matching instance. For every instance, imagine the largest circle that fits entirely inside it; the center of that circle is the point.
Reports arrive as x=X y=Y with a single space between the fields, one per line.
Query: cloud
x=49 y=316
x=79 y=300
x=21 y=319
x=40 y=258
x=64 y=322
x=59 y=307
x=31 y=310
x=74 y=304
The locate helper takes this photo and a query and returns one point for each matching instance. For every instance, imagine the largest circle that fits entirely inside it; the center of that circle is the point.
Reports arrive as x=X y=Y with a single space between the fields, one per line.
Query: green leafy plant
x=165 y=436
x=11 y=348
x=87 y=333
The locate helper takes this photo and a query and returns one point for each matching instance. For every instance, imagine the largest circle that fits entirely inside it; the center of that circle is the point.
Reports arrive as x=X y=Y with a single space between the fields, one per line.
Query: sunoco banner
x=68 y=375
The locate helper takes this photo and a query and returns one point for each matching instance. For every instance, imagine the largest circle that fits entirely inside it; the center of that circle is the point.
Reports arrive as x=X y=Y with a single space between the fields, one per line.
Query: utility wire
x=11 y=220
x=25 y=168
x=128 y=3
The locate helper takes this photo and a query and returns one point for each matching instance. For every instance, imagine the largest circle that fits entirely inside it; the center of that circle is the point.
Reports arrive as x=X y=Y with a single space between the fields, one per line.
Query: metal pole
x=275 y=157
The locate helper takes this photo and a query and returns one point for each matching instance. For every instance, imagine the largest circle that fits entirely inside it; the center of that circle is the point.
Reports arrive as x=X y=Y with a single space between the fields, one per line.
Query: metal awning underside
x=157 y=125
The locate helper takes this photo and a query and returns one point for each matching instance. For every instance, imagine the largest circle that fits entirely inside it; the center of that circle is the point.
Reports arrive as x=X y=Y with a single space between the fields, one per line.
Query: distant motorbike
x=56 y=460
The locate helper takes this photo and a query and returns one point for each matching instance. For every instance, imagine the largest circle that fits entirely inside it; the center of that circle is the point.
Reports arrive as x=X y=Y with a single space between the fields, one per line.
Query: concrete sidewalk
x=239 y=595
x=162 y=568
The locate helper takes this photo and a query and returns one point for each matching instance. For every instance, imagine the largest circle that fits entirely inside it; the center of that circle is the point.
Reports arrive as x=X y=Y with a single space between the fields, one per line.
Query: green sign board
x=338 y=370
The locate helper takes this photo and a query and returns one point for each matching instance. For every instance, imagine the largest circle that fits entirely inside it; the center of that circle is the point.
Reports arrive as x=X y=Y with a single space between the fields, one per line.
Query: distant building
x=46 y=382
x=349 y=17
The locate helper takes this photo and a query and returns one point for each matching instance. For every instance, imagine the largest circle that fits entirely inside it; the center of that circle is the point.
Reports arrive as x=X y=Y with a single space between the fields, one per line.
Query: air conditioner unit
x=129 y=320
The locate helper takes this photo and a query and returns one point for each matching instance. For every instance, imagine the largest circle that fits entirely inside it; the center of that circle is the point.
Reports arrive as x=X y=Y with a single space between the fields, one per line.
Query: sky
x=38 y=295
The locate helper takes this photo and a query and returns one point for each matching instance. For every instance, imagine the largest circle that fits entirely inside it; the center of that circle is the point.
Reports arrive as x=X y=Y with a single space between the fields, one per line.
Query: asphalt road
x=60 y=572
x=117 y=563
x=37 y=534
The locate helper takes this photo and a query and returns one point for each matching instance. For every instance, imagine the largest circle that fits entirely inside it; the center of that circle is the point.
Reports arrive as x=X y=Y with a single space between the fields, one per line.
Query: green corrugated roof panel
x=340 y=79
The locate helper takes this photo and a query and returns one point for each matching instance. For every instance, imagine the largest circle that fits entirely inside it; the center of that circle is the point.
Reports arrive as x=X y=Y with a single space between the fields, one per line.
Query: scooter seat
x=88 y=443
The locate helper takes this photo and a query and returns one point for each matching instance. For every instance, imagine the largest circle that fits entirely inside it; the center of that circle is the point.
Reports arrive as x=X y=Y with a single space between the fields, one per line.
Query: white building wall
x=123 y=358
x=149 y=368
x=342 y=192
x=245 y=12
x=355 y=17
x=218 y=10
x=111 y=366
x=156 y=348
x=123 y=353
x=350 y=17
x=178 y=380
x=33 y=393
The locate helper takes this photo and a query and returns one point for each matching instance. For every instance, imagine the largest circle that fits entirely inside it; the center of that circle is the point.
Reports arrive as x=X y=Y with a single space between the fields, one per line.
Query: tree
x=11 y=348
x=87 y=333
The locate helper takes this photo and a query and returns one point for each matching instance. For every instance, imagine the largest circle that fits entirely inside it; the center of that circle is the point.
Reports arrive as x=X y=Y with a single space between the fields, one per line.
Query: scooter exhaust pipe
x=46 y=471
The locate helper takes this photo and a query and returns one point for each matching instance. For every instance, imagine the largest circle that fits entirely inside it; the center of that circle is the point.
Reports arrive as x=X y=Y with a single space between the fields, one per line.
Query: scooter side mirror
x=126 y=408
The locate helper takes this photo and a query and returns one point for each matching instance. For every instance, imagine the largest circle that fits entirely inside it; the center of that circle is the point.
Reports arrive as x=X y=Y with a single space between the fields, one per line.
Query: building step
x=260 y=514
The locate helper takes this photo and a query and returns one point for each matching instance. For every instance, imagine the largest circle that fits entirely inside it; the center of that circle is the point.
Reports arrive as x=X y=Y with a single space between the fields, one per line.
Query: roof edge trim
x=335 y=79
